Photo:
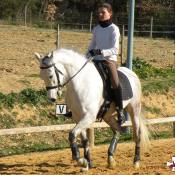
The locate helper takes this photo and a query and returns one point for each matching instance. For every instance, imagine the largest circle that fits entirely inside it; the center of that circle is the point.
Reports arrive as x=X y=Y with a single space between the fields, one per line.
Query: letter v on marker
x=61 y=109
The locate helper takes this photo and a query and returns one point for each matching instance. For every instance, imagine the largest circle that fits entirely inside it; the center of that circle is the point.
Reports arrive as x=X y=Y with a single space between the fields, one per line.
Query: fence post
x=51 y=24
x=90 y=23
x=122 y=43
x=58 y=36
x=151 y=27
x=90 y=134
x=25 y=12
x=173 y=129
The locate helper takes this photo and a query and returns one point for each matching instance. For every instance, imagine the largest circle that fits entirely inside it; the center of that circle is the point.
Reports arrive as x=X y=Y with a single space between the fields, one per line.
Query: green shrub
x=158 y=87
x=10 y=99
x=31 y=96
x=145 y=70
x=2 y=98
x=26 y=96
x=7 y=121
x=152 y=109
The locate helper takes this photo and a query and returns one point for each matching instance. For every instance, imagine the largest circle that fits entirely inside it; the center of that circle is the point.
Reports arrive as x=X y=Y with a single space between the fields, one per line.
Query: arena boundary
x=64 y=127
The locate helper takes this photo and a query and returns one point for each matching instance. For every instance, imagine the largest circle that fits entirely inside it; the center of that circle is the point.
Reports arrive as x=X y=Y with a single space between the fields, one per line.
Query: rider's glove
x=95 y=52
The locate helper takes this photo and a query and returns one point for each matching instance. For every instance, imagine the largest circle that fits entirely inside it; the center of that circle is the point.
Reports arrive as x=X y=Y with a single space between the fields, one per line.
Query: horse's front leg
x=82 y=125
x=74 y=147
x=86 y=147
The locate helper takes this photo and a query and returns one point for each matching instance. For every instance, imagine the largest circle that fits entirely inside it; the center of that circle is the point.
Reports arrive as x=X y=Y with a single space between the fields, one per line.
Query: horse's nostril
x=52 y=100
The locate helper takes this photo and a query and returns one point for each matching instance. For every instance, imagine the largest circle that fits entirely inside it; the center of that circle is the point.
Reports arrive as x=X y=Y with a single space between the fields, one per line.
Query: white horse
x=84 y=97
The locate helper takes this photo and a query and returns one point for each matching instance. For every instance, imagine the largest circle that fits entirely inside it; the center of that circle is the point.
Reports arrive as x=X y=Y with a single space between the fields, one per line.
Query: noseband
x=57 y=71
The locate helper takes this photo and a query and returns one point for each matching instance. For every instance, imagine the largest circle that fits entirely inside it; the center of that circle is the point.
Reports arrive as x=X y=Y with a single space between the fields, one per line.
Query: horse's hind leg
x=137 y=150
x=134 y=114
x=113 y=145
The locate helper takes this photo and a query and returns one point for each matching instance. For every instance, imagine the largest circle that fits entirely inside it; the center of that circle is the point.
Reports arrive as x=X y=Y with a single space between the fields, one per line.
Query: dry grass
x=19 y=69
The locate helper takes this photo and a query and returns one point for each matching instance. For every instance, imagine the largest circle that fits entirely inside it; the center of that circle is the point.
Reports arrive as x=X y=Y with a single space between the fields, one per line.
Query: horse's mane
x=67 y=56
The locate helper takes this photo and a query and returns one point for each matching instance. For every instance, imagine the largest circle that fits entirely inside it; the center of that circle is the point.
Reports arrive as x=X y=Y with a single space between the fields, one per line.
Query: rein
x=57 y=70
x=89 y=59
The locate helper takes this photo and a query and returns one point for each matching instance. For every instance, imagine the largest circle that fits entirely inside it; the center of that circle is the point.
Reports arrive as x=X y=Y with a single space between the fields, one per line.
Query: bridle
x=57 y=71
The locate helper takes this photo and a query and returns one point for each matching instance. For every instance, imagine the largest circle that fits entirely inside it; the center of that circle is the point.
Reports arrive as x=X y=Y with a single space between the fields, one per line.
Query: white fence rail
x=65 y=127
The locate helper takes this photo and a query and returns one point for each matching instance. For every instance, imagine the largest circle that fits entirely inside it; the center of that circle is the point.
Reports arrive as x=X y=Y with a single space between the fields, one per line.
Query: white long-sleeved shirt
x=107 y=40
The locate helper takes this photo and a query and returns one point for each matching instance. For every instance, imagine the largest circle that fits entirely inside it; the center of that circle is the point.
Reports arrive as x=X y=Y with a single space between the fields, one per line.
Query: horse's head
x=51 y=74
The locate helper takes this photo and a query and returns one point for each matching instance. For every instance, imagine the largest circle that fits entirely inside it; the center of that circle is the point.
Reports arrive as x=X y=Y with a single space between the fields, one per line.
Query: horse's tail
x=144 y=133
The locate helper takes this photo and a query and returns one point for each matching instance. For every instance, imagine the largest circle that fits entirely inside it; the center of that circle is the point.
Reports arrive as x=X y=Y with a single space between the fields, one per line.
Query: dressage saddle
x=108 y=91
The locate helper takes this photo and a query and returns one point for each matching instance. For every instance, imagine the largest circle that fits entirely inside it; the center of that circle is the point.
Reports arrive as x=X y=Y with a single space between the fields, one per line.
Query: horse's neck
x=71 y=63
x=74 y=66
x=84 y=84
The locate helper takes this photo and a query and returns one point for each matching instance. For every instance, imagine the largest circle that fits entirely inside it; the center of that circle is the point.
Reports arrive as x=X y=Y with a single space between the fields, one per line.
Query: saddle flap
x=127 y=92
x=123 y=79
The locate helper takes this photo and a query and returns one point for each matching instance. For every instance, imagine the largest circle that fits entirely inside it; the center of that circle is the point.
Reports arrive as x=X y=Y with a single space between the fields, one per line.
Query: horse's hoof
x=84 y=169
x=91 y=165
x=111 y=162
x=137 y=165
x=82 y=162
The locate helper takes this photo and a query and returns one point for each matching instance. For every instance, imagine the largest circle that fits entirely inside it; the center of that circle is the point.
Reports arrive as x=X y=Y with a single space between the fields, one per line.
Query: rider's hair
x=107 y=6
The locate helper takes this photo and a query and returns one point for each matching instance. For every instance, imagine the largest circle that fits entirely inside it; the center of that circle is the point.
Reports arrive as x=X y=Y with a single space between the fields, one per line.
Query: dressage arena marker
x=61 y=109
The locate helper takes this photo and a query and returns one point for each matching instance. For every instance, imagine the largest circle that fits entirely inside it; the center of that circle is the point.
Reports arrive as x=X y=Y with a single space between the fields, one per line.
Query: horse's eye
x=51 y=76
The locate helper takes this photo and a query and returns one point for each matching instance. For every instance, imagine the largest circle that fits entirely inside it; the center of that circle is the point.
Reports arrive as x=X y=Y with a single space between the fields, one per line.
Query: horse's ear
x=37 y=56
x=50 y=55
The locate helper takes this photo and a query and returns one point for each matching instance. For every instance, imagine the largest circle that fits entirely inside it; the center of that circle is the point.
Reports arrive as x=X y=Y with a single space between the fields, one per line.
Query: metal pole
x=130 y=34
x=130 y=46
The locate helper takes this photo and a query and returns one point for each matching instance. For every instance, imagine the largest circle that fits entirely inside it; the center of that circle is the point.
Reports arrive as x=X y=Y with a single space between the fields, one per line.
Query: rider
x=104 y=47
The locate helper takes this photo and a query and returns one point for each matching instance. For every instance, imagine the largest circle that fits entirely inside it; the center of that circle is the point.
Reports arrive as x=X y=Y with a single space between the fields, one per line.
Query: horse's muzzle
x=53 y=100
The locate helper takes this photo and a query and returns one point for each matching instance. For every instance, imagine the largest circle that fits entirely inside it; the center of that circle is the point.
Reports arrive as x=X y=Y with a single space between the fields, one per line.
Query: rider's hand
x=95 y=52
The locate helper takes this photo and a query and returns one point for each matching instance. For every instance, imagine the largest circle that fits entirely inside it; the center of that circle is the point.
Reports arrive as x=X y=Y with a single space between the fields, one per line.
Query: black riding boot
x=119 y=105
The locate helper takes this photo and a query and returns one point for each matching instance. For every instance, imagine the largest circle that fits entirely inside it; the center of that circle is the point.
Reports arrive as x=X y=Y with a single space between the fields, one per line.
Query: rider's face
x=104 y=14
